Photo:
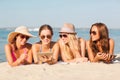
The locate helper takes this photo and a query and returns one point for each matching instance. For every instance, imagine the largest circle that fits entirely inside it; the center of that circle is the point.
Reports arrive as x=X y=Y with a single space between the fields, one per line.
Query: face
x=94 y=33
x=45 y=36
x=22 y=39
x=64 y=37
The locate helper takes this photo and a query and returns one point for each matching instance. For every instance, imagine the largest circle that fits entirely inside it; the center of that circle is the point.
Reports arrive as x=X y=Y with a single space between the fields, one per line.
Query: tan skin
x=22 y=58
x=78 y=57
x=99 y=56
x=46 y=43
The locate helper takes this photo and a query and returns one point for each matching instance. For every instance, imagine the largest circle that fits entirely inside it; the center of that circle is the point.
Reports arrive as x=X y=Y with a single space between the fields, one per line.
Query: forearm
x=16 y=63
x=95 y=60
x=72 y=60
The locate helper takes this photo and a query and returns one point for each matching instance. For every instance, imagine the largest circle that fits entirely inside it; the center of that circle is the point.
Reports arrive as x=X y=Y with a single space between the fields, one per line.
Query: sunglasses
x=46 y=36
x=23 y=36
x=93 y=32
x=65 y=36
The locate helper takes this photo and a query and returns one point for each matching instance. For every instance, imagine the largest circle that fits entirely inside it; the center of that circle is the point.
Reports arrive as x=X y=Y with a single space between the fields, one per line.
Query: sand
x=62 y=71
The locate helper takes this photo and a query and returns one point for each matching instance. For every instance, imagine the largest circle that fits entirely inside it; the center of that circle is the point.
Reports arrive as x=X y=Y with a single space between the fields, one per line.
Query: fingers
x=106 y=57
x=23 y=56
x=102 y=56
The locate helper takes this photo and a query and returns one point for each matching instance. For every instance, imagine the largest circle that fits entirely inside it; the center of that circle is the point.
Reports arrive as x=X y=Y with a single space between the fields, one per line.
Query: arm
x=62 y=54
x=34 y=51
x=110 y=55
x=29 y=55
x=8 y=51
x=83 y=46
x=111 y=42
x=55 y=52
x=91 y=56
x=55 y=55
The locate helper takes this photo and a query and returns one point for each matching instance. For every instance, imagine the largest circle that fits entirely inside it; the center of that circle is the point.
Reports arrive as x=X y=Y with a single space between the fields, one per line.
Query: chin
x=46 y=43
x=65 y=42
x=22 y=43
x=95 y=39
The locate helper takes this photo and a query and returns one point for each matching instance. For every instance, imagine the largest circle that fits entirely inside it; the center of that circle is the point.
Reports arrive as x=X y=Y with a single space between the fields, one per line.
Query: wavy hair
x=74 y=44
x=104 y=38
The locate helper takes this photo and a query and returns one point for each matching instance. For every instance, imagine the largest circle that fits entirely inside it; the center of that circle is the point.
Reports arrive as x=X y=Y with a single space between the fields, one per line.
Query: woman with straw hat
x=72 y=48
x=17 y=50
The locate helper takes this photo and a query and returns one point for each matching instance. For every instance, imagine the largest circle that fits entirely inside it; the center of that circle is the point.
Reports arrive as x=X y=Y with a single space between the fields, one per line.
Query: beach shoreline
x=83 y=71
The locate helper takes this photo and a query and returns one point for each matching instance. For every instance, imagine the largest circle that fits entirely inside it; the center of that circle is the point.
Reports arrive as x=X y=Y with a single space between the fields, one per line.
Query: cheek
x=97 y=36
x=65 y=40
x=94 y=38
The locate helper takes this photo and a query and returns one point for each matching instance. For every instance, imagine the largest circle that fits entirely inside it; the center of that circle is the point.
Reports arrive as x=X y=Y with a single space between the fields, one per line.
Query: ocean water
x=81 y=32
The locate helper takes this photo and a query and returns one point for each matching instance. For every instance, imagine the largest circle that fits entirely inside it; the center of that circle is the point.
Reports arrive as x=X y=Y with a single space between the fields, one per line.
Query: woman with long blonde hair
x=72 y=49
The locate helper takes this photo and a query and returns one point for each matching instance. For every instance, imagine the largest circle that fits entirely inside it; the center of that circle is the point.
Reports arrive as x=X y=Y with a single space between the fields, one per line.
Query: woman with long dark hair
x=100 y=47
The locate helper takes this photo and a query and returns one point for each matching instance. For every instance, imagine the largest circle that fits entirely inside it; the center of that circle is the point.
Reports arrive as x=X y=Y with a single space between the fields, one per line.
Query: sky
x=81 y=13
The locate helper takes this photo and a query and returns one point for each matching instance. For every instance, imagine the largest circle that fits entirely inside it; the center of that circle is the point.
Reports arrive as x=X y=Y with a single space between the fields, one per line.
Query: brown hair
x=45 y=26
x=104 y=38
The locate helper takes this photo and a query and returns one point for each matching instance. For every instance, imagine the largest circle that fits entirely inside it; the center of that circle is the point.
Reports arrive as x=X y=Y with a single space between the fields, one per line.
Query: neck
x=46 y=46
x=18 y=46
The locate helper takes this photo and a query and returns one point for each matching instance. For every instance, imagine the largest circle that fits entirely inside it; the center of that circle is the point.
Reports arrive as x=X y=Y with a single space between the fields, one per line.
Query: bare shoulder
x=7 y=46
x=37 y=44
x=111 y=40
x=81 y=39
x=53 y=43
x=87 y=42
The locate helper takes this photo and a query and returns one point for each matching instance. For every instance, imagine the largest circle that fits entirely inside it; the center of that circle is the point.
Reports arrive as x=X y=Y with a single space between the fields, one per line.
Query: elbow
x=12 y=65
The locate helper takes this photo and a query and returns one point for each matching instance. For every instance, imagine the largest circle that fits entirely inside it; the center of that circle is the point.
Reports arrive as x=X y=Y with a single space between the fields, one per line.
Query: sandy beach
x=62 y=71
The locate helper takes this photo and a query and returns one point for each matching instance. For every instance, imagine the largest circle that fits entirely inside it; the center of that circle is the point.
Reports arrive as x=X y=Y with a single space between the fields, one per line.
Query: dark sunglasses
x=93 y=32
x=46 y=36
x=23 y=36
x=65 y=36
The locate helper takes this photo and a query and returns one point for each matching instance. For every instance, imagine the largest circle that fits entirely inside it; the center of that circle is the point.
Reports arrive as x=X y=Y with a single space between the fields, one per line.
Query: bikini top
x=13 y=55
x=45 y=52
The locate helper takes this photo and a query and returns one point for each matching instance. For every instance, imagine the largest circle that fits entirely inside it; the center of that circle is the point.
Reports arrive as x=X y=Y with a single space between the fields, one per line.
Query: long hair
x=104 y=38
x=74 y=44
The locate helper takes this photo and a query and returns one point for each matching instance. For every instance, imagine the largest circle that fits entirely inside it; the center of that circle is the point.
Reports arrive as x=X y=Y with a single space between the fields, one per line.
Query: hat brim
x=12 y=35
x=67 y=32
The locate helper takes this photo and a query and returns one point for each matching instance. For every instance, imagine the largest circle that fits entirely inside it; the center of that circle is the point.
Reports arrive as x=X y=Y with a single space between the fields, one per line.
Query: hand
x=110 y=57
x=82 y=59
x=22 y=57
x=50 y=62
x=61 y=42
x=101 y=56
x=45 y=58
x=105 y=57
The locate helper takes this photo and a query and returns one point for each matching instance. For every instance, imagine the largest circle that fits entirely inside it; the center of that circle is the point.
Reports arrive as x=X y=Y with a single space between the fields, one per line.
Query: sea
x=81 y=32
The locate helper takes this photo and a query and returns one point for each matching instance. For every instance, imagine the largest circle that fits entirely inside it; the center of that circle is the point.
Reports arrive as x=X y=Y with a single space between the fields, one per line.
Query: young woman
x=45 y=46
x=17 y=50
x=72 y=48
x=100 y=47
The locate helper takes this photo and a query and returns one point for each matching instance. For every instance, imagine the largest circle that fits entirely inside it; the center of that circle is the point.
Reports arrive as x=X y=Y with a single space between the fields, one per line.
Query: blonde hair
x=73 y=43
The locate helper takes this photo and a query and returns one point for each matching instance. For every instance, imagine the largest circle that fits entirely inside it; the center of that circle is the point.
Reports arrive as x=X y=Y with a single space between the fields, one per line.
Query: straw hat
x=19 y=30
x=68 y=28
